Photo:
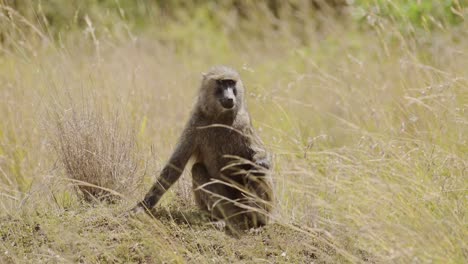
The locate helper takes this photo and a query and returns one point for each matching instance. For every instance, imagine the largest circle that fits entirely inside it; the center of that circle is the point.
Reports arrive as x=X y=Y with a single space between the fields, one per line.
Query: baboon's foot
x=219 y=225
x=255 y=230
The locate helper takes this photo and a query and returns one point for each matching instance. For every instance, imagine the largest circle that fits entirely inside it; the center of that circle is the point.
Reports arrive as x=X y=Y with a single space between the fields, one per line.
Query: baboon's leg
x=260 y=199
x=209 y=198
x=257 y=194
x=200 y=176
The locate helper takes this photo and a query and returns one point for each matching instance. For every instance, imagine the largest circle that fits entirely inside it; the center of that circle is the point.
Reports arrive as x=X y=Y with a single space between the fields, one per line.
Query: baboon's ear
x=204 y=74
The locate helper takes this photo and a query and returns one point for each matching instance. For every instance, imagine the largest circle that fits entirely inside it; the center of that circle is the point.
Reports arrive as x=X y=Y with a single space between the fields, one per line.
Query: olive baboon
x=230 y=174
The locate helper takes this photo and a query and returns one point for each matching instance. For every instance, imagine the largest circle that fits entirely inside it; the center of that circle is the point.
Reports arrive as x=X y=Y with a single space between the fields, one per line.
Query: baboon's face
x=221 y=91
x=226 y=93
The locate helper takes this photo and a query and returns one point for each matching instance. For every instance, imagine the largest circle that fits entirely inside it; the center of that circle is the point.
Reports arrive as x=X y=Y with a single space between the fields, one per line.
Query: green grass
x=368 y=127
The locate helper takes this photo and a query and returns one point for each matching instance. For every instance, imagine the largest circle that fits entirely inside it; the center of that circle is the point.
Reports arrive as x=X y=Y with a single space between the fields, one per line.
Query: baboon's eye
x=219 y=89
x=226 y=82
x=230 y=83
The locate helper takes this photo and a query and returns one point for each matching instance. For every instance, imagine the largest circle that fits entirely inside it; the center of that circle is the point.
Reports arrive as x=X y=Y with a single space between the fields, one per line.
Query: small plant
x=98 y=155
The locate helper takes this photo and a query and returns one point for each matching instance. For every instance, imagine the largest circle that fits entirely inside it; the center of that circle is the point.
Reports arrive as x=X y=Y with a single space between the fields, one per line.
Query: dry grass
x=368 y=131
x=97 y=155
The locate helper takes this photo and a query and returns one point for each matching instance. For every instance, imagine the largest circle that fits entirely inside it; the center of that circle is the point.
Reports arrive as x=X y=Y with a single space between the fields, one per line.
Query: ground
x=100 y=234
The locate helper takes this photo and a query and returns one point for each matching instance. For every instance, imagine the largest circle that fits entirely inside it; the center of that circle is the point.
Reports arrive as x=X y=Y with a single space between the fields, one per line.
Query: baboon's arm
x=172 y=170
x=260 y=156
x=261 y=184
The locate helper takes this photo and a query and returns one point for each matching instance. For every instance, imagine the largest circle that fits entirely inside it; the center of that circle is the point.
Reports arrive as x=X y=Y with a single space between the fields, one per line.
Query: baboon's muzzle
x=227 y=103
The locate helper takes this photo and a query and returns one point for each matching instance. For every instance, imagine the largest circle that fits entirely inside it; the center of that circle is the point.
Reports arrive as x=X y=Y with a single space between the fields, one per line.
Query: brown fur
x=230 y=174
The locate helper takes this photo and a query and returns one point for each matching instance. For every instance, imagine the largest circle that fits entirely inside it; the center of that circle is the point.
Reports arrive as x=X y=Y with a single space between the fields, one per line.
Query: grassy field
x=367 y=122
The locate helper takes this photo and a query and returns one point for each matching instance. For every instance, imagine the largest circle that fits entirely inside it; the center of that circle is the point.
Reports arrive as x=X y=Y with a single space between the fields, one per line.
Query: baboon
x=230 y=174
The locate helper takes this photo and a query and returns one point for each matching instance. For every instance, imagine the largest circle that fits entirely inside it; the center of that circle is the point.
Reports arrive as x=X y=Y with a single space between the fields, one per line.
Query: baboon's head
x=221 y=90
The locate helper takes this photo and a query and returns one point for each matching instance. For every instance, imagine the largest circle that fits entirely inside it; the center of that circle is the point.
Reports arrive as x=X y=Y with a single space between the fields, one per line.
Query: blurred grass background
x=363 y=103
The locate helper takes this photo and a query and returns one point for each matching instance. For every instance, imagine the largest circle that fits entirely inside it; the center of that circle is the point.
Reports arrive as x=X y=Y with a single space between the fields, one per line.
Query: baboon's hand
x=263 y=162
x=133 y=212
x=138 y=209
x=262 y=159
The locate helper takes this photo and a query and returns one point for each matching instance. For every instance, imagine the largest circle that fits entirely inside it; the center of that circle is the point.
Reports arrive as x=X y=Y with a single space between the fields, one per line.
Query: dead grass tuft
x=98 y=155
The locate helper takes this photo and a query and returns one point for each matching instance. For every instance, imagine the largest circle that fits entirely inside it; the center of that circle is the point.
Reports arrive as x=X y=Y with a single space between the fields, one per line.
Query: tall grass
x=368 y=129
